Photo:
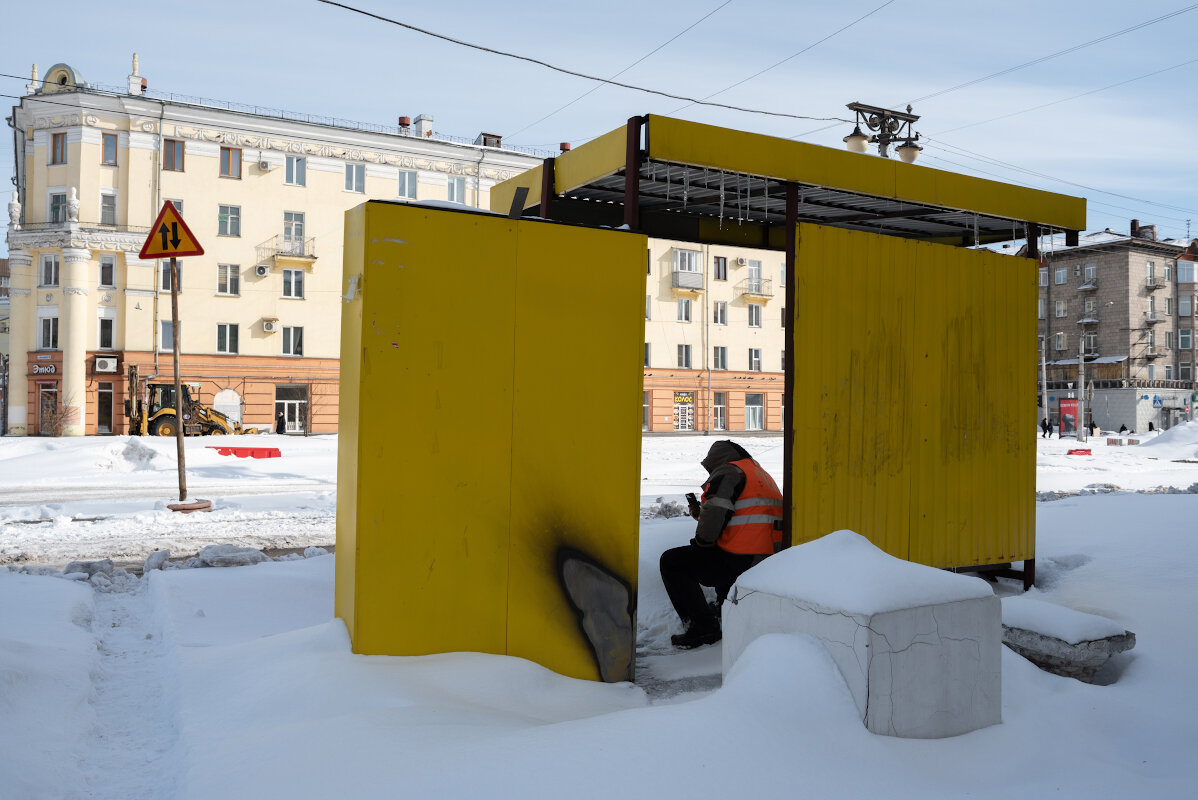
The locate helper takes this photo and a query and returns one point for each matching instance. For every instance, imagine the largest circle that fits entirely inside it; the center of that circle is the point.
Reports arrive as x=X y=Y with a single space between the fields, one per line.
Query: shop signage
x=684 y=398
x=44 y=369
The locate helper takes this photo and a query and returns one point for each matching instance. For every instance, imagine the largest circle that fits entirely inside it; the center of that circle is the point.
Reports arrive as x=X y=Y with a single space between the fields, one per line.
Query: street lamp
x=892 y=127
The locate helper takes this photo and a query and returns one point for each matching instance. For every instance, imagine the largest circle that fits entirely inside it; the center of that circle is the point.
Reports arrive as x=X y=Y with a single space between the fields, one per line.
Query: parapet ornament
x=19 y=292
x=74 y=290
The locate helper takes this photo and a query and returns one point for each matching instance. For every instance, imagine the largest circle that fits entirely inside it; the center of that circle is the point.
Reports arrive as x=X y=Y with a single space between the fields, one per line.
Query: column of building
x=20 y=337
x=74 y=320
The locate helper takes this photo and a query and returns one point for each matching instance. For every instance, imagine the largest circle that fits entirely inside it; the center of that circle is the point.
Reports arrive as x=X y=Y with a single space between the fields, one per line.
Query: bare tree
x=320 y=393
x=65 y=413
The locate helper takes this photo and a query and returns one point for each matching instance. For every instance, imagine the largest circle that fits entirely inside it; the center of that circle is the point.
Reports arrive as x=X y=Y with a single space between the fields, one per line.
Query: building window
x=1062 y=307
x=686 y=260
x=1090 y=342
x=178 y=204
x=107 y=271
x=108 y=209
x=1185 y=271
x=719 y=313
x=784 y=317
x=720 y=268
x=58 y=207
x=1169 y=306
x=1184 y=339
x=108 y=152
x=355 y=178
x=48 y=335
x=1168 y=340
x=1186 y=372
x=1061 y=340
x=1168 y=271
x=754 y=315
x=1061 y=274
x=1168 y=372
x=228 y=221
x=58 y=148
x=648 y=306
x=684 y=356
x=684 y=309
x=293 y=283
x=1150 y=270
x=1042 y=303
x=457 y=190
x=172 y=155
x=647 y=350
x=754 y=411
x=226 y=337
x=407 y=183
x=48 y=274
x=719 y=358
x=1151 y=372
x=164 y=275
x=1044 y=276
x=293 y=233
x=166 y=335
x=228 y=279
x=1183 y=305
x=230 y=162
x=1091 y=307
x=644 y=411
x=719 y=409
x=296 y=171
x=782 y=273
x=754 y=359
x=293 y=341
x=1091 y=273
x=782 y=362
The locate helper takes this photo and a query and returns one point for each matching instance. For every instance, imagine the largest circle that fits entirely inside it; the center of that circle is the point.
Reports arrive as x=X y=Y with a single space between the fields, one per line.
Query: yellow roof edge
x=696 y=143
x=503 y=192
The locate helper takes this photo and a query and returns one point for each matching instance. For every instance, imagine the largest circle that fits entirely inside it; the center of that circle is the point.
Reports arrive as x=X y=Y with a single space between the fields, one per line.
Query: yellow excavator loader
x=151 y=410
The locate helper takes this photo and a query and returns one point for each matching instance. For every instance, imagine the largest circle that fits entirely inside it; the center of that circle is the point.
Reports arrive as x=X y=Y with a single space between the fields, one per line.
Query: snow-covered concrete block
x=1061 y=640
x=919 y=648
x=230 y=555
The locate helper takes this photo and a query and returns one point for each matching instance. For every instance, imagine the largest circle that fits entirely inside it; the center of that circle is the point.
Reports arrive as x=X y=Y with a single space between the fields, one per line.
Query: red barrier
x=1078 y=453
x=247 y=452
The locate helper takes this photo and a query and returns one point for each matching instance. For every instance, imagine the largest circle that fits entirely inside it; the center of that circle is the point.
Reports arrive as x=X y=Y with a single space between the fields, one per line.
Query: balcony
x=1152 y=282
x=1091 y=285
x=282 y=248
x=1153 y=352
x=756 y=287
x=1088 y=318
x=1153 y=317
x=686 y=281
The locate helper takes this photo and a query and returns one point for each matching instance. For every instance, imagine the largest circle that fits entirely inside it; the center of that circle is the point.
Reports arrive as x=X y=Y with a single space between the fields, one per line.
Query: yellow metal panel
x=434 y=431
x=596 y=159
x=503 y=193
x=907 y=412
x=467 y=534
x=575 y=506
x=720 y=148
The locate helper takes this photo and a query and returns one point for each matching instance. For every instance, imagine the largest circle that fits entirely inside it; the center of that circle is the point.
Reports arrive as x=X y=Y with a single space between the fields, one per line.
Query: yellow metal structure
x=912 y=410
x=460 y=524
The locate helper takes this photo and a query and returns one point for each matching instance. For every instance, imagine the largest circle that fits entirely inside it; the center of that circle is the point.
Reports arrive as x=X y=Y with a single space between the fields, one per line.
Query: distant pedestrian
x=280 y=423
x=1045 y=428
x=1122 y=429
x=1151 y=427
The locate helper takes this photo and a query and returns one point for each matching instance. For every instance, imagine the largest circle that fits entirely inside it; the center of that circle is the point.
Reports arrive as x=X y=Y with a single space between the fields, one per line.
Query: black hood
x=722 y=452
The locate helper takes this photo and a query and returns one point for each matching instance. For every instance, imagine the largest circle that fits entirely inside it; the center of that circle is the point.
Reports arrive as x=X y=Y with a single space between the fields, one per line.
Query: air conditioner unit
x=270 y=325
x=741 y=261
x=105 y=365
x=262 y=270
x=264 y=166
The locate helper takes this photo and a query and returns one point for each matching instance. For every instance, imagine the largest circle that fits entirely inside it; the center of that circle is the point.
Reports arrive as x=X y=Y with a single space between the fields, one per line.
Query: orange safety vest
x=751 y=528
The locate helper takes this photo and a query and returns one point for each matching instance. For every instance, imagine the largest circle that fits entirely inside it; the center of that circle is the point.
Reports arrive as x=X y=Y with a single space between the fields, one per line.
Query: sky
x=1099 y=122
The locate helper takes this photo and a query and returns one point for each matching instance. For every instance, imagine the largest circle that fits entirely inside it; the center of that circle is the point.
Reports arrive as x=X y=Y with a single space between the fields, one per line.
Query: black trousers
x=685 y=570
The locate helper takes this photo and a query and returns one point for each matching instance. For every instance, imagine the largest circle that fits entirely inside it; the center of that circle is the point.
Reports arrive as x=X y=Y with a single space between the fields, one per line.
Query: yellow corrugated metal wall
x=488 y=469
x=914 y=420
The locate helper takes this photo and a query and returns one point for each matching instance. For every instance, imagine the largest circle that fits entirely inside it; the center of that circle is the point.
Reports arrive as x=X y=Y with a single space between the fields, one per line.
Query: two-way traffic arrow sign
x=170 y=237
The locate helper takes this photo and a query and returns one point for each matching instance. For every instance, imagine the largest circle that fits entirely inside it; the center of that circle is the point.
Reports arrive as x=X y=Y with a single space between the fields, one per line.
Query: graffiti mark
x=606 y=610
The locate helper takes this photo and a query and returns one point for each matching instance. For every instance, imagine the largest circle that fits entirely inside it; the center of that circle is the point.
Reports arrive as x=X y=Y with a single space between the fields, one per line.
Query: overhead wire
x=596 y=88
x=574 y=73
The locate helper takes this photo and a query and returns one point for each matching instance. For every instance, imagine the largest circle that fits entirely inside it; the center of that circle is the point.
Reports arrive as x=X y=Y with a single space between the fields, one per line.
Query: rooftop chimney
x=489 y=140
x=1135 y=228
x=405 y=126
x=564 y=147
x=424 y=125
x=137 y=84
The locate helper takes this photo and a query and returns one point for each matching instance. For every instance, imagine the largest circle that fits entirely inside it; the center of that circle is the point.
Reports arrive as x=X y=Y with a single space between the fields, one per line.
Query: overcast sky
x=1128 y=149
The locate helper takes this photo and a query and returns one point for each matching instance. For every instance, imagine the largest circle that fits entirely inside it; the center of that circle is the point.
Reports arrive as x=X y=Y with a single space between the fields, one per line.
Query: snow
x=845 y=571
x=239 y=683
x=1051 y=619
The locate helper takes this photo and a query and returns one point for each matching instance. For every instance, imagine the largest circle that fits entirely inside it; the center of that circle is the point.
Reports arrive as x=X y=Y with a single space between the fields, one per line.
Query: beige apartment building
x=1127 y=305
x=265 y=192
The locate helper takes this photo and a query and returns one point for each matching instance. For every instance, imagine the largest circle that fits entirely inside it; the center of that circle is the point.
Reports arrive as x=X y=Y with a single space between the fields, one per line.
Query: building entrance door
x=47 y=410
x=684 y=417
x=293 y=402
x=104 y=408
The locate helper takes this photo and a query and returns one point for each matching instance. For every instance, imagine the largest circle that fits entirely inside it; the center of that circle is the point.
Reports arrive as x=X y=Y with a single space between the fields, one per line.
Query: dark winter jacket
x=724 y=484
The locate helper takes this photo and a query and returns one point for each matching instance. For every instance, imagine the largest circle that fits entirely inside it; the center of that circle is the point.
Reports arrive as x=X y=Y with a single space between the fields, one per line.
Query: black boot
x=697 y=635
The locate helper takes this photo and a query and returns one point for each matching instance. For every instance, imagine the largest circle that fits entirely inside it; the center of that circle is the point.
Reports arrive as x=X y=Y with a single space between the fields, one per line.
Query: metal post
x=788 y=379
x=179 y=409
x=548 y=187
x=1044 y=373
x=632 y=174
x=1082 y=430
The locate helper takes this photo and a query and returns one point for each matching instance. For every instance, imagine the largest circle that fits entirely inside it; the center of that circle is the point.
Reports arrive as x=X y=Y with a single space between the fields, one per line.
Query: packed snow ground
x=239 y=683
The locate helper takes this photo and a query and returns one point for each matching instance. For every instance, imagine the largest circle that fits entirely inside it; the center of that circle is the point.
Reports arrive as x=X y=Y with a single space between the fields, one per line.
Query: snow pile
x=1051 y=619
x=845 y=571
x=132 y=455
x=1178 y=443
x=666 y=509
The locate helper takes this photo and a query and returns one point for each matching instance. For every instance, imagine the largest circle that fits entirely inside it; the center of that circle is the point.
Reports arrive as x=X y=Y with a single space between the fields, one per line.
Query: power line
x=788 y=58
x=1051 y=56
x=621 y=72
x=1073 y=97
x=565 y=71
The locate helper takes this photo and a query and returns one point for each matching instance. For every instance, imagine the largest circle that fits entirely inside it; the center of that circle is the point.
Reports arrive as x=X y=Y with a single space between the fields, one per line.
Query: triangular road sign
x=170 y=237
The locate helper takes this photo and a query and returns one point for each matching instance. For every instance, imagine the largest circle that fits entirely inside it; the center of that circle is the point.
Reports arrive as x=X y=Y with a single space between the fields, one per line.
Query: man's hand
x=697 y=542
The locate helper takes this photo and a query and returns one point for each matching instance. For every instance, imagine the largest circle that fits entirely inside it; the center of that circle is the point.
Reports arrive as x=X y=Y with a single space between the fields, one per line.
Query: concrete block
x=919 y=648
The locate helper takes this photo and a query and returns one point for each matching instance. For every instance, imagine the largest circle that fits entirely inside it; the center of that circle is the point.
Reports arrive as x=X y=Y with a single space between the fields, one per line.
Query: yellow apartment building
x=265 y=193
